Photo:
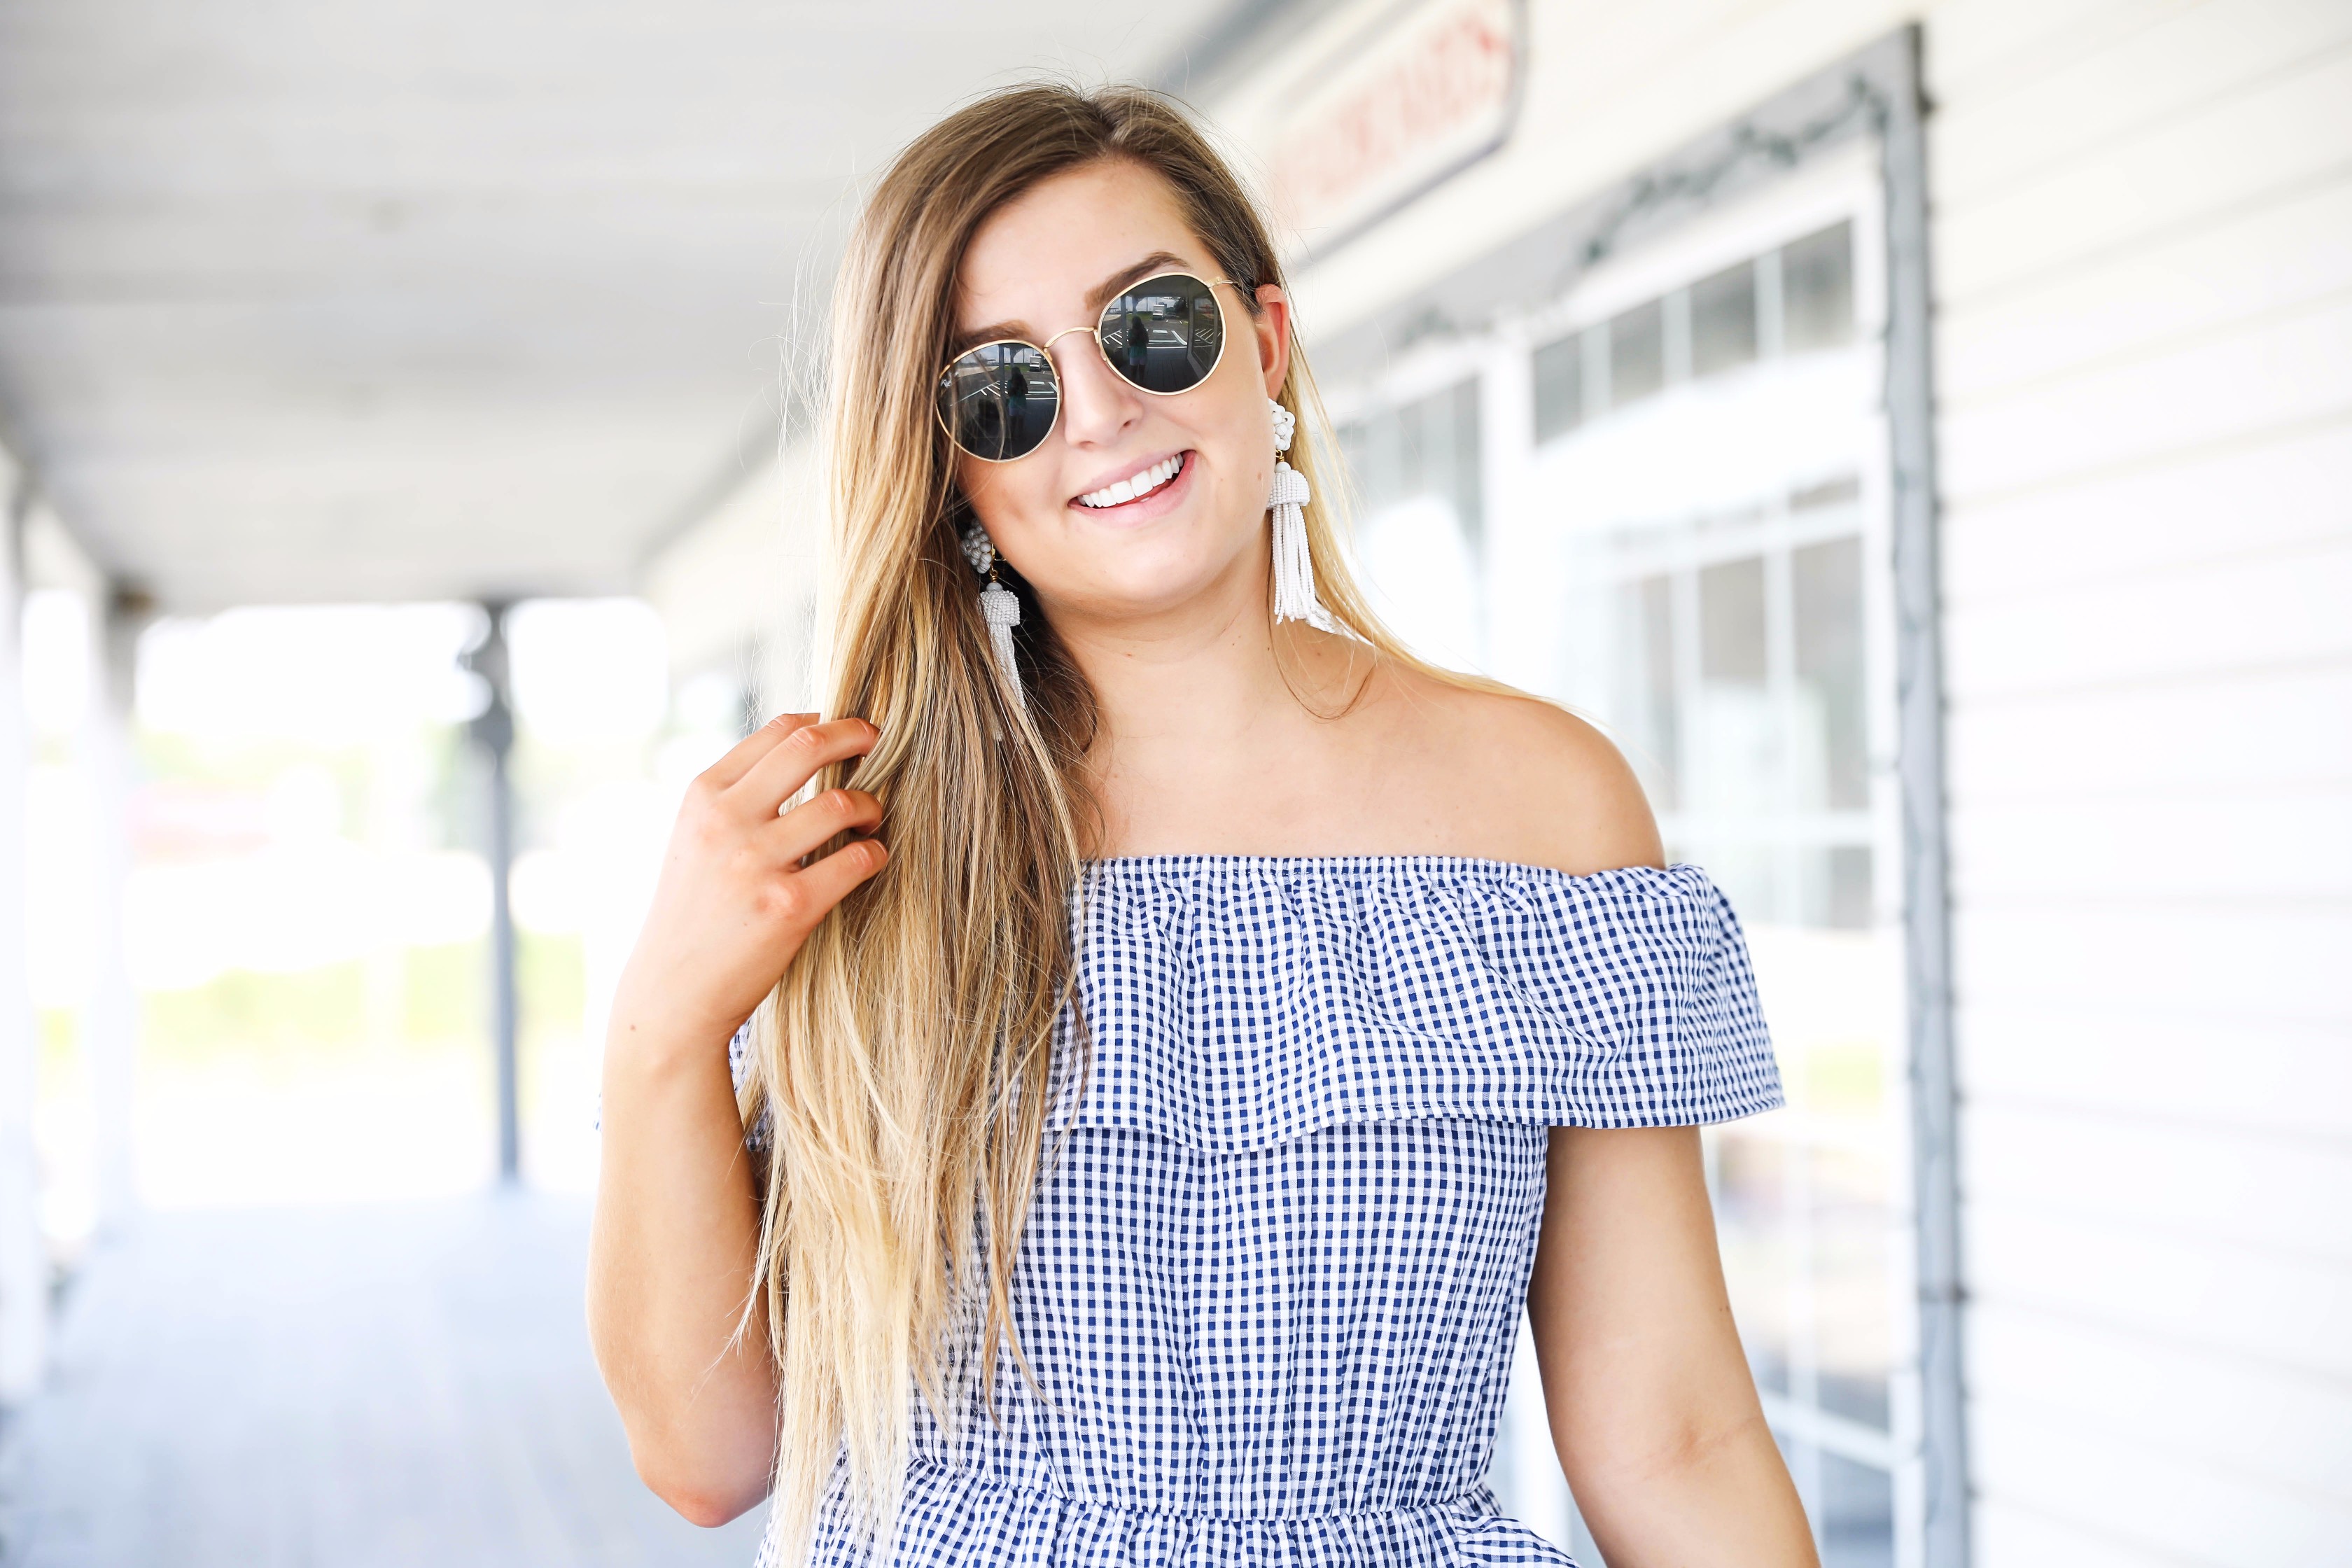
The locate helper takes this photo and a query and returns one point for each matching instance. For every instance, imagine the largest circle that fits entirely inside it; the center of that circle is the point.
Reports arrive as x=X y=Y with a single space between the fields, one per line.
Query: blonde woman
x=1175 y=1035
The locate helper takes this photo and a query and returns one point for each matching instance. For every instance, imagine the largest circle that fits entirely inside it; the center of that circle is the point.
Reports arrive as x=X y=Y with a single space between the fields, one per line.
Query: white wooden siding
x=2166 y=1174
x=2279 y=1075
x=2214 y=158
x=2136 y=1500
x=2242 y=962
x=2143 y=264
x=739 y=590
x=2265 y=729
x=2151 y=69
x=2275 y=489
x=2254 y=1417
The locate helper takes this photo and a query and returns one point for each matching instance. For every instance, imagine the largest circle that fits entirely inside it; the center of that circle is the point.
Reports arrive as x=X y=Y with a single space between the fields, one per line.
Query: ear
x=1272 y=325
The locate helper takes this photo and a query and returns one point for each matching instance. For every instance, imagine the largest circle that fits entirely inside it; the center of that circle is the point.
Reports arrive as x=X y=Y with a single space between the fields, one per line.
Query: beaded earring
x=999 y=607
x=1294 y=564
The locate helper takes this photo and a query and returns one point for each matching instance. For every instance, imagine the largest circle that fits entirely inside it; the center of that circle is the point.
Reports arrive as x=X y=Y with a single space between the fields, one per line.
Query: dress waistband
x=953 y=1513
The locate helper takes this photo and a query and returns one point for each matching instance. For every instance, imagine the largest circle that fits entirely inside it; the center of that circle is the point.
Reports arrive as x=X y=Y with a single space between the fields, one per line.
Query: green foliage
x=449 y=991
x=272 y=1012
x=444 y=994
x=552 y=973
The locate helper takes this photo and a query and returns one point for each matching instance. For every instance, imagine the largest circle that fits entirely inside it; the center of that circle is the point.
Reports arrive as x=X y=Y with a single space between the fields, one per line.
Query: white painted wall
x=2144 y=249
x=737 y=591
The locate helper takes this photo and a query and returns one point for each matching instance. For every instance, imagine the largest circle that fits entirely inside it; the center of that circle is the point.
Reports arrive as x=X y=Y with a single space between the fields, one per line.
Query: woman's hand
x=735 y=901
x=676 y=1228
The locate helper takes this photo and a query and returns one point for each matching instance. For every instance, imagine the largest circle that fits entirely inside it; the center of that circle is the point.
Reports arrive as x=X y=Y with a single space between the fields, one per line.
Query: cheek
x=984 y=486
x=1246 y=442
x=1010 y=498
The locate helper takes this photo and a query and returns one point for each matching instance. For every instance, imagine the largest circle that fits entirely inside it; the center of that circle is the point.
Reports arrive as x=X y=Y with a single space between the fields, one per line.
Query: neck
x=1198 y=699
x=1184 y=675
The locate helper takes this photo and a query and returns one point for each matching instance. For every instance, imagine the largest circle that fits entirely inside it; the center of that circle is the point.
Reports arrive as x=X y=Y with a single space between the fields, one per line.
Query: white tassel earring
x=1294 y=564
x=999 y=607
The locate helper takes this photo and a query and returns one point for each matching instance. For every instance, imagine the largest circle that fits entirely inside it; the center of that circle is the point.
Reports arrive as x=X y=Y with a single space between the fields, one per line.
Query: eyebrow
x=1096 y=297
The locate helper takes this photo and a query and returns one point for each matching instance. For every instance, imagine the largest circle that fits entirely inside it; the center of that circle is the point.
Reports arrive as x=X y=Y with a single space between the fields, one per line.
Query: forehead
x=1035 y=258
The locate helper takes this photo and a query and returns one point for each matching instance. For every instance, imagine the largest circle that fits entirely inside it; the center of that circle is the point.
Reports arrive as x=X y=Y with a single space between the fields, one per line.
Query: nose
x=1098 y=402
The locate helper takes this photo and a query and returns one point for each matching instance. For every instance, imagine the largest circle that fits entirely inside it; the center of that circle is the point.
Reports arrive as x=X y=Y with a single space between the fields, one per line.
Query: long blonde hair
x=905 y=1054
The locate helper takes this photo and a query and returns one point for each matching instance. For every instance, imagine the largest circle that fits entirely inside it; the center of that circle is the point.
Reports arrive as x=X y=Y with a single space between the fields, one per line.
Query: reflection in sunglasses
x=1165 y=336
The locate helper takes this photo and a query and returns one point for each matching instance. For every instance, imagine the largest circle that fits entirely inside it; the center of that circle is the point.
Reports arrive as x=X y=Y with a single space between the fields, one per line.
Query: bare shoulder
x=1531 y=781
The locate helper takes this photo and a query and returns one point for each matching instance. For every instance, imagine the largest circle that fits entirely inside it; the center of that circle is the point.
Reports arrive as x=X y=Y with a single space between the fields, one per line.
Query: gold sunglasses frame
x=1045 y=352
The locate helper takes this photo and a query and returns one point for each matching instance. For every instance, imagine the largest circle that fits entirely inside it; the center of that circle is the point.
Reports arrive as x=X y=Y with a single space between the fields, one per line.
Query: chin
x=1137 y=600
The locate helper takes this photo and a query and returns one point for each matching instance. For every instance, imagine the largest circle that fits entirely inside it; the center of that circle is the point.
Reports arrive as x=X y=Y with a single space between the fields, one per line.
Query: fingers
x=805 y=829
x=778 y=773
x=737 y=760
x=829 y=880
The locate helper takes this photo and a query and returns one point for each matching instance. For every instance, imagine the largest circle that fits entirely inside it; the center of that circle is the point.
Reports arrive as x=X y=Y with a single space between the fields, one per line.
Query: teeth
x=1141 y=484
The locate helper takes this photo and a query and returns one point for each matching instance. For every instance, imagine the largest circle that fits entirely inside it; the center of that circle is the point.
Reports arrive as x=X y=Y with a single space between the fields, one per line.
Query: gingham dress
x=1272 y=1278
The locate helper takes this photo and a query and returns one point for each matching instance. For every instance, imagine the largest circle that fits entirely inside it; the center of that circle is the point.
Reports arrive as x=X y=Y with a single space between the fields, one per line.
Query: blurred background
x=1921 y=431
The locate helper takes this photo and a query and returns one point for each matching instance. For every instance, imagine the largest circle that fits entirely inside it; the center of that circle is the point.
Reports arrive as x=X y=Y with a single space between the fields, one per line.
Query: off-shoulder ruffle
x=1237 y=1002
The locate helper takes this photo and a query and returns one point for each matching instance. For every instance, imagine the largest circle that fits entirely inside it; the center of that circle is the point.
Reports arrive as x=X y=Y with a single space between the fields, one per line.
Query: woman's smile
x=1141 y=493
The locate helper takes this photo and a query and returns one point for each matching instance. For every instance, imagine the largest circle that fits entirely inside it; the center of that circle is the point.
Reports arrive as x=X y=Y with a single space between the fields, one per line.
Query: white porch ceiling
x=333 y=300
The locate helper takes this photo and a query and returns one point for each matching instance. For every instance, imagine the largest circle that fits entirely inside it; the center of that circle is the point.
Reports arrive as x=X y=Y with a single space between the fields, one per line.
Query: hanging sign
x=1430 y=87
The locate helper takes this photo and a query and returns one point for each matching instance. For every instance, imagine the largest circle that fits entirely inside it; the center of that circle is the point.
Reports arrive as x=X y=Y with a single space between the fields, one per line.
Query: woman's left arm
x=1652 y=1408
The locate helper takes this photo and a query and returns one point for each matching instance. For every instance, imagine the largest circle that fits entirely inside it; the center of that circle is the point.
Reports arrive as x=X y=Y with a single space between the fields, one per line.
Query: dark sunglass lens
x=1165 y=334
x=999 y=400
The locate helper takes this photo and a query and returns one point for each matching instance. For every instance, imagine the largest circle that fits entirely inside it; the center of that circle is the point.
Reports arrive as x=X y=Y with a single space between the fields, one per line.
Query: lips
x=1135 y=486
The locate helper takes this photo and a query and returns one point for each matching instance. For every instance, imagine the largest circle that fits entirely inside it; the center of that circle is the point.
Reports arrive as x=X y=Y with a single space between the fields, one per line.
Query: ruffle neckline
x=1235 y=1001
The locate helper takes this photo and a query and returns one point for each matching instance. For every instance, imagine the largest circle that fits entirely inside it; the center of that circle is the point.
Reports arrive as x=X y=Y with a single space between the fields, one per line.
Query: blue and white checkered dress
x=1273 y=1276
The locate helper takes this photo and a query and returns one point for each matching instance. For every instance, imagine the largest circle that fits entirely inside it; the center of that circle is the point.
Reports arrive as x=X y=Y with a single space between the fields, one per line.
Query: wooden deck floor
x=386 y=1386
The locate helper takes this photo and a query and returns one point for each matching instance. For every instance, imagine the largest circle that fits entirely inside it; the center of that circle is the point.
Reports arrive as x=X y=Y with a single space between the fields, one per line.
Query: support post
x=23 y=1256
x=112 y=1034
x=1919 y=761
x=493 y=730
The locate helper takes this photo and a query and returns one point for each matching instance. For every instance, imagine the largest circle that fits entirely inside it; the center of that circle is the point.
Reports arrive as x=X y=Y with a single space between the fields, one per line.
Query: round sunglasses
x=1000 y=399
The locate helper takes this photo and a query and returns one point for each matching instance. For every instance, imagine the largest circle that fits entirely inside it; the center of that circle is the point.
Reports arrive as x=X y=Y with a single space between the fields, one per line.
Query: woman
x=1201 y=1027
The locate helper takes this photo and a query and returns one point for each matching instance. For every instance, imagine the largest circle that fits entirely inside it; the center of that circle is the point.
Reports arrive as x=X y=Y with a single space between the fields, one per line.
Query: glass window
x=1759 y=1261
x=1421 y=485
x=1731 y=622
x=1425 y=447
x=1415 y=471
x=1856 y=1514
x=1560 y=386
x=1834 y=887
x=1826 y=581
x=1832 y=492
x=1817 y=290
x=1735 y=777
x=1723 y=319
x=1637 y=353
x=1756 y=754
x=1370 y=448
x=1647 y=713
x=1851 y=1228
x=1466 y=479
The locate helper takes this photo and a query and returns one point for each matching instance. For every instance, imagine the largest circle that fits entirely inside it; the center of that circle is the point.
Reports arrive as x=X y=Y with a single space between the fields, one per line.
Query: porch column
x=24 y=1259
x=111 y=1040
x=493 y=730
